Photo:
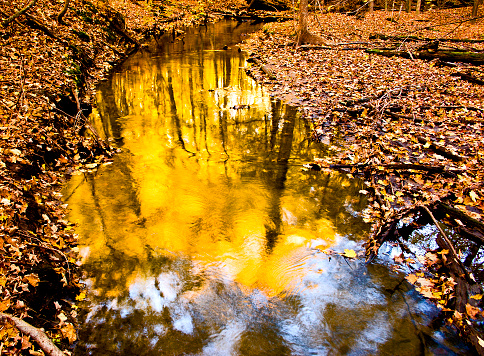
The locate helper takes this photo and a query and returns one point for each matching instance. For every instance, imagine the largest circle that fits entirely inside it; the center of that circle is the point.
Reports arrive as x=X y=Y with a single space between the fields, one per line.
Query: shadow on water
x=206 y=237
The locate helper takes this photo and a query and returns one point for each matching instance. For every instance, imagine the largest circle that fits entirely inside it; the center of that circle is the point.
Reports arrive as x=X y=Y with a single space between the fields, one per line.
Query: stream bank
x=48 y=69
x=411 y=128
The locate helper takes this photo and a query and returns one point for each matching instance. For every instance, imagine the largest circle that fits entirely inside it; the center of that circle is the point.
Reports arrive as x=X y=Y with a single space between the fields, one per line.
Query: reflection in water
x=205 y=237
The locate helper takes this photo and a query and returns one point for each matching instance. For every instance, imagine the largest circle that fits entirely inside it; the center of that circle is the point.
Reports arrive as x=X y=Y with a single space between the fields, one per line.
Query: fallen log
x=309 y=47
x=379 y=36
x=396 y=166
x=267 y=5
x=444 y=55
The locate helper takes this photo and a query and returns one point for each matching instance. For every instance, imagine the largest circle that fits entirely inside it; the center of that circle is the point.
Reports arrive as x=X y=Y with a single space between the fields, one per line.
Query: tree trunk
x=18 y=13
x=304 y=36
x=302 y=27
x=408 y=5
x=475 y=8
x=371 y=4
x=419 y=5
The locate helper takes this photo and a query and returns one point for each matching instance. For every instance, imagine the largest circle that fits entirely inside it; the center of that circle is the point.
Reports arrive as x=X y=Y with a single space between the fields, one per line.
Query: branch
x=18 y=13
x=449 y=243
x=63 y=12
x=86 y=120
x=397 y=166
x=38 y=335
x=441 y=149
x=380 y=36
x=473 y=224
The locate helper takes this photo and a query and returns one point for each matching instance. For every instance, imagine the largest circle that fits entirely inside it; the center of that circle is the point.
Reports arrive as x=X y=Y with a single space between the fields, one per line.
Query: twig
x=38 y=335
x=18 y=13
x=41 y=245
x=449 y=243
x=85 y=119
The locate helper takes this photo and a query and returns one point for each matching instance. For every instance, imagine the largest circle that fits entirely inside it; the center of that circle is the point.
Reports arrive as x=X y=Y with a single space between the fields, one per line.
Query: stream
x=206 y=237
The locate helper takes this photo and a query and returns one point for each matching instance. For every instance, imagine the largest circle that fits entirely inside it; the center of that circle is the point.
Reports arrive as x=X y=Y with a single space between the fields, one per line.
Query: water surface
x=205 y=236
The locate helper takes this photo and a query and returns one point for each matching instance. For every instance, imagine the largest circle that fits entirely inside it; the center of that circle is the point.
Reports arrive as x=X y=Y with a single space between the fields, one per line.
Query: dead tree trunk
x=419 y=5
x=408 y=5
x=475 y=8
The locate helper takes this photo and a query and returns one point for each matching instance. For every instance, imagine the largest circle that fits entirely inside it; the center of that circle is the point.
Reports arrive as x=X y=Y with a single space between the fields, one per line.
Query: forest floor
x=48 y=72
x=411 y=128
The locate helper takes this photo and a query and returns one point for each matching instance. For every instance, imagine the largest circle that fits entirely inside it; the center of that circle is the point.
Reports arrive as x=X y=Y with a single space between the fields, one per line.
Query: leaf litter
x=412 y=129
x=48 y=72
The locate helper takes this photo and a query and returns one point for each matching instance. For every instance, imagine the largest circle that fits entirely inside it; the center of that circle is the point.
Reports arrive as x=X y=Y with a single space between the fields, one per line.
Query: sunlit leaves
x=81 y=296
x=349 y=253
x=69 y=331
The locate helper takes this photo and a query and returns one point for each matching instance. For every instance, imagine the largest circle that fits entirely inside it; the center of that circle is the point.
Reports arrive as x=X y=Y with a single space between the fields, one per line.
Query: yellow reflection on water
x=202 y=174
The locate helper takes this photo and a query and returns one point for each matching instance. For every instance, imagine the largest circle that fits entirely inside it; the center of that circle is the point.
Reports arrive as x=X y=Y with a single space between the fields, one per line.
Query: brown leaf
x=69 y=332
x=411 y=278
x=25 y=343
x=472 y=311
x=33 y=279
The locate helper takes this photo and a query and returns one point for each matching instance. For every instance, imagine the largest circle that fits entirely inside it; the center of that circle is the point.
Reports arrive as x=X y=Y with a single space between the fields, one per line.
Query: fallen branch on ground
x=264 y=67
x=445 y=55
x=379 y=36
x=18 y=13
x=469 y=77
x=38 y=335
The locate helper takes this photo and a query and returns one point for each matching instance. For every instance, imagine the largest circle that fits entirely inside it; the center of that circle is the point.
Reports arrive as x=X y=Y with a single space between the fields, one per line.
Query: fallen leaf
x=472 y=311
x=474 y=196
x=4 y=305
x=411 y=278
x=349 y=253
x=62 y=317
x=69 y=332
x=33 y=279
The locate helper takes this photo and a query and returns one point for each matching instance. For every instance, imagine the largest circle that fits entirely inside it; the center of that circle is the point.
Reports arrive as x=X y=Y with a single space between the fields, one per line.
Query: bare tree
x=408 y=5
